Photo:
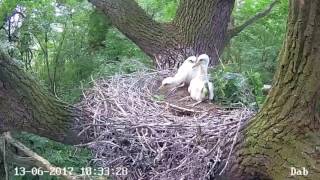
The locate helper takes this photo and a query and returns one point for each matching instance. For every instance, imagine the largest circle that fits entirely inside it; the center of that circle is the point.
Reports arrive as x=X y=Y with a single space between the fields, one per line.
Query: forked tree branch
x=236 y=30
x=133 y=21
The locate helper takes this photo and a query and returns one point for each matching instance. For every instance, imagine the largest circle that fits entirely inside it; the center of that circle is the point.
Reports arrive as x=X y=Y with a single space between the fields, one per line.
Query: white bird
x=185 y=73
x=200 y=88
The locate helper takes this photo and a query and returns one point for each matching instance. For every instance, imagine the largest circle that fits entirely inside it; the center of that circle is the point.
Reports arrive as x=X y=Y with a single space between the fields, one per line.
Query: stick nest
x=154 y=136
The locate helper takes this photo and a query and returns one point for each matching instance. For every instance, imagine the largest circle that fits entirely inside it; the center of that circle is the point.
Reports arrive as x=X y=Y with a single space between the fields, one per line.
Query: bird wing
x=183 y=72
x=192 y=74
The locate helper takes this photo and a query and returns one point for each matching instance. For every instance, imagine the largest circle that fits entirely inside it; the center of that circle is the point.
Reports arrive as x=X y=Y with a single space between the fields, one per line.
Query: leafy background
x=66 y=44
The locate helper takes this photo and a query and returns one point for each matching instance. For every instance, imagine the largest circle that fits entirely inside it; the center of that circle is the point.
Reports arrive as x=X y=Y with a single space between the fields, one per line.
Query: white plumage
x=184 y=75
x=200 y=88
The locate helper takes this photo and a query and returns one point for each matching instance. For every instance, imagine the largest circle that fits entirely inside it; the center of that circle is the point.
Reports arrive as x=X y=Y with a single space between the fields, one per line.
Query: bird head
x=202 y=60
x=167 y=82
x=191 y=59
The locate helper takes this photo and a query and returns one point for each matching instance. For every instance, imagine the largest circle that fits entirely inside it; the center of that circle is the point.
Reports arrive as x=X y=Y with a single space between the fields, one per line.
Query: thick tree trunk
x=25 y=106
x=285 y=133
x=199 y=27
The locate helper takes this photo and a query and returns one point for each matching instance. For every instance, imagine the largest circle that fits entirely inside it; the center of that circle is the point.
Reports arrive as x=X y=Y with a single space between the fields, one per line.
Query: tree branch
x=236 y=30
x=26 y=106
x=33 y=159
x=134 y=22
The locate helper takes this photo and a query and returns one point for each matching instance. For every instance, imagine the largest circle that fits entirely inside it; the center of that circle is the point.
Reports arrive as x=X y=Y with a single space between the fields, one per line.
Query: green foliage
x=98 y=25
x=58 y=154
x=160 y=10
x=71 y=44
x=158 y=97
x=118 y=46
x=253 y=53
x=66 y=43
x=231 y=88
x=6 y=8
x=255 y=82
x=256 y=48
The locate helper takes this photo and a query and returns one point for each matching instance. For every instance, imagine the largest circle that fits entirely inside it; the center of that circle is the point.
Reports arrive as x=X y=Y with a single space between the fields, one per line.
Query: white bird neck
x=202 y=72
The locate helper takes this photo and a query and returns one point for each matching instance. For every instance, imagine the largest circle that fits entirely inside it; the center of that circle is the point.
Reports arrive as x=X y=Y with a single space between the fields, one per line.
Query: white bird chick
x=183 y=76
x=200 y=88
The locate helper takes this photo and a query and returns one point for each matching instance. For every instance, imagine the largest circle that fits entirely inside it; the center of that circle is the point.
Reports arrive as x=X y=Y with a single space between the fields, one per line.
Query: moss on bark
x=285 y=133
x=26 y=106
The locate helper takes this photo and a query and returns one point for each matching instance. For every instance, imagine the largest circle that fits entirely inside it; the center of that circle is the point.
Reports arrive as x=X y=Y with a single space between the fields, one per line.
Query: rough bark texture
x=25 y=106
x=285 y=133
x=199 y=27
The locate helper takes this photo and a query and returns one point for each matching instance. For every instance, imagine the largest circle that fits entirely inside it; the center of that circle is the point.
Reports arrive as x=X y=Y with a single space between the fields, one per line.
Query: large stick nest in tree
x=155 y=137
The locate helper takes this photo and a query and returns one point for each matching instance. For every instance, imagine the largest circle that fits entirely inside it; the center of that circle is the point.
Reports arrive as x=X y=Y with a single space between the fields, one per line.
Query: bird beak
x=161 y=87
x=196 y=64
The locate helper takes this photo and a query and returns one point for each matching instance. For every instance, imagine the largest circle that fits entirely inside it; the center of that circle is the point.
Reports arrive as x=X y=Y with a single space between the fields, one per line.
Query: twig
x=180 y=108
x=232 y=146
x=155 y=143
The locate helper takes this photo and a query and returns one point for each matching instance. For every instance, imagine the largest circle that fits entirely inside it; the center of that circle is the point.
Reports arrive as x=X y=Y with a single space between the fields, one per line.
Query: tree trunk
x=285 y=133
x=199 y=27
x=25 y=106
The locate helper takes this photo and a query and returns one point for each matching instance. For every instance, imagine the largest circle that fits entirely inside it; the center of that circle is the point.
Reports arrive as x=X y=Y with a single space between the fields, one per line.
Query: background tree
x=285 y=133
x=198 y=27
x=295 y=87
x=35 y=111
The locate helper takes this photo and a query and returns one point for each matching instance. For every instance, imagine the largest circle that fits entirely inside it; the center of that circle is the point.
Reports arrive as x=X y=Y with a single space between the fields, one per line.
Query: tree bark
x=199 y=27
x=285 y=133
x=25 y=106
